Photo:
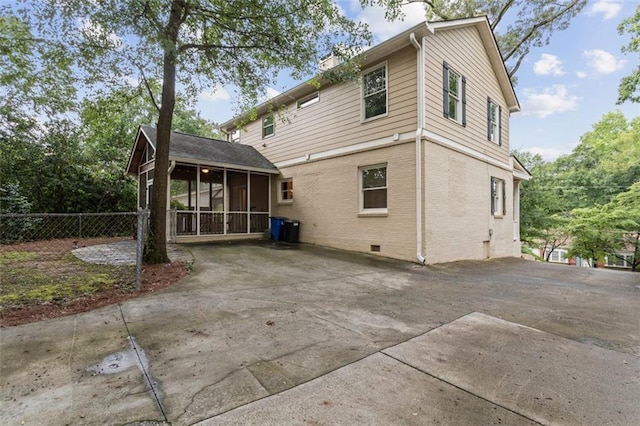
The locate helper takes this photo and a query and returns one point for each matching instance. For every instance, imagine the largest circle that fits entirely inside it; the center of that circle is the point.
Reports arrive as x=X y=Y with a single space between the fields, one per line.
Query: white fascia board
x=521 y=176
x=223 y=165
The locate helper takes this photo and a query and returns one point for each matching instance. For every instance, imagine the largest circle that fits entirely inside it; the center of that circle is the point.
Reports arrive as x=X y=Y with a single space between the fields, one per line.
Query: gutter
x=419 y=132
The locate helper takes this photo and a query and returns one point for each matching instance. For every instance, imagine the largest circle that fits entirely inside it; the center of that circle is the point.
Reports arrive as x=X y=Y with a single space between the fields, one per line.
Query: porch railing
x=219 y=223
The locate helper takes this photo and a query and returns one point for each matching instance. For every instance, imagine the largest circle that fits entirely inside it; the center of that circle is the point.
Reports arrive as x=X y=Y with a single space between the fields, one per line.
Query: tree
x=629 y=85
x=576 y=198
x=542 y=210
x=244 y=43
x=533 y=21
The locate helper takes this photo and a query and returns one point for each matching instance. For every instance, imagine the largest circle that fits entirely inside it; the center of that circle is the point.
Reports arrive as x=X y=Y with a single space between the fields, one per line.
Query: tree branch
x=145 y=81
x=513 y=70
x=503 y=11
x=536 y=27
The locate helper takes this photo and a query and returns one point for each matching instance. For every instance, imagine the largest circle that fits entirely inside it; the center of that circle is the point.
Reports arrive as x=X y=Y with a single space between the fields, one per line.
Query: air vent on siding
x=375 y=247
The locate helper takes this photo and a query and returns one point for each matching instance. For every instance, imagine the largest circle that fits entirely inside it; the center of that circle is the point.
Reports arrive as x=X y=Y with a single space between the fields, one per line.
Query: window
x=268 y=126
x=454 y=95
x=494 y=125
x=498 y=199
x=309 y=100
x=374 y=93
x=285 y=193
x=622 y=260
x=558 y=256
x=373 y=184
x=234 y=136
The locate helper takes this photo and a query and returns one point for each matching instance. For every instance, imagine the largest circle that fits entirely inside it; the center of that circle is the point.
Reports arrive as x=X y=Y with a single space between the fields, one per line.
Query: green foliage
x=590 y=198
x=196 y=44
x=630 y=85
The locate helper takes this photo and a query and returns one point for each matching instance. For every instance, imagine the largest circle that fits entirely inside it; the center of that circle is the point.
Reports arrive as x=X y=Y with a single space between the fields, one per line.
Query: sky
x=564 y=88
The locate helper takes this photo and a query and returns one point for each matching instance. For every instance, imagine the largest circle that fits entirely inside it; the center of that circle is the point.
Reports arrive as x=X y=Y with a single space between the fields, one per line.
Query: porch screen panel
x=259 y=203
x=237 y=193
x=211 y=201
x=184 y=198
x=142 y=190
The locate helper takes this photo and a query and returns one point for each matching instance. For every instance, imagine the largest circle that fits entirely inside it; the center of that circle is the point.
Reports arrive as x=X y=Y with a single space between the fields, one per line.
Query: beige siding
x=463 y=50
x=335 y=122
x=326 y=202
x=458 y=208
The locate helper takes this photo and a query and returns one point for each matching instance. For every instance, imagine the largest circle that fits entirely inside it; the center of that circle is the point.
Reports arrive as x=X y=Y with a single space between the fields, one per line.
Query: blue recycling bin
x=277 y=227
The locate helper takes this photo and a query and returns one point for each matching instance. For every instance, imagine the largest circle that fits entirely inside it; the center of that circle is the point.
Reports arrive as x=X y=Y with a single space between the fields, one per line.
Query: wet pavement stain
x=132 y=356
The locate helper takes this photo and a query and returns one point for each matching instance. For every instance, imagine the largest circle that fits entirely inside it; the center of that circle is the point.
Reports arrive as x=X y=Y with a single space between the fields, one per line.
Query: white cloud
x=548 y=65
x=269 y=94
x=97 y=33
x=581 y=74
x=216 y=94
x=608 y=8
x=602 y=61
x=550 y=154
x=272 y=93
x=382 y=29
x=551 y=100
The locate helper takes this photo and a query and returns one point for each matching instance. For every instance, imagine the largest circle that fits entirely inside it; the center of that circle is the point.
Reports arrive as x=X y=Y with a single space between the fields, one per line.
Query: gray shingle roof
x=212 y=151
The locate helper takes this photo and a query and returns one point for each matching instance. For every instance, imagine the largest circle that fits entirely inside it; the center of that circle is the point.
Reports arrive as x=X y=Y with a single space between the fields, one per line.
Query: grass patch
x=31 y=278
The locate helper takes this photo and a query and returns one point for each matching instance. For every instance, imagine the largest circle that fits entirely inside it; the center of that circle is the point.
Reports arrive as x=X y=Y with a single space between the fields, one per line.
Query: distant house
x=412 y=162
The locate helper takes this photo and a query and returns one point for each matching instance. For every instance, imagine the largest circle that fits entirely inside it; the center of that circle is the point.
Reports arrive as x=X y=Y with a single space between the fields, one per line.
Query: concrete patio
x=258 y=334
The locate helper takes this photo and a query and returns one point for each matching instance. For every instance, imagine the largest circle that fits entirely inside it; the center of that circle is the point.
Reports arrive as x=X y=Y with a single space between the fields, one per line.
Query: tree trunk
x=156 y=249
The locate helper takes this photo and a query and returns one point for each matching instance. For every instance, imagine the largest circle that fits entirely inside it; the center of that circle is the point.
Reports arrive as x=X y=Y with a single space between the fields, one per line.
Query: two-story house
x=410 y=162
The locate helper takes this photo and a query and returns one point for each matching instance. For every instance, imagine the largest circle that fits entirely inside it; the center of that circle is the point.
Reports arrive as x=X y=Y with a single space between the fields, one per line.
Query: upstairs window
x=454 y=87
x=374 y=93
x=268 y=126
x=373 y=185
x=309 y=100
x=235 y=136
x=498 y=199
x=494 y=125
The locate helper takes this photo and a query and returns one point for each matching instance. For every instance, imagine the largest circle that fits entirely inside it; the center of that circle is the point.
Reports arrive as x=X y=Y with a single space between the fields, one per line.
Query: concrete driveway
x=264 y=335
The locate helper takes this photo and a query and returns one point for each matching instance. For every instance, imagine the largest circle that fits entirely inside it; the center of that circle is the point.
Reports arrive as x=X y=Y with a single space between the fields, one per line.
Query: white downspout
x=419 y=131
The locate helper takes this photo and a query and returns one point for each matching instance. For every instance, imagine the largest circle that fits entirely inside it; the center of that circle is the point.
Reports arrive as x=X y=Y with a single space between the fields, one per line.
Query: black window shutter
x=500 y=125
x=489 y=119
x=464 y=101
x=445 y=89
x=492 y=193
x=504 y=198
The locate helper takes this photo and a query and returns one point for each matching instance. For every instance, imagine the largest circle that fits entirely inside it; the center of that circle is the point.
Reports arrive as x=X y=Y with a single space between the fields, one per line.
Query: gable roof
x=377 y=52
x=205 y=151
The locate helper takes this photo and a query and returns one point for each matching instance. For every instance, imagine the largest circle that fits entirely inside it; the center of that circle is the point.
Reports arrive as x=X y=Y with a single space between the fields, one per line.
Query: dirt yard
x=42 y=280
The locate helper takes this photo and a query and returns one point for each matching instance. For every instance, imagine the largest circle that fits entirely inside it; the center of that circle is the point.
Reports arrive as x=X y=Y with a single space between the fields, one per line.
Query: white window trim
x=363 y=119
x=273 y=125
x=309 y=100
x=460 y=98
x=281 y=200
x=499 y=197
x=375 y=211
x=497 y=125
x=235 y=135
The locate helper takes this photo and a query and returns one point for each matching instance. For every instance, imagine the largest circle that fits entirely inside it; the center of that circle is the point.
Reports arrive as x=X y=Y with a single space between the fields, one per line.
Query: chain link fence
x=55 y=257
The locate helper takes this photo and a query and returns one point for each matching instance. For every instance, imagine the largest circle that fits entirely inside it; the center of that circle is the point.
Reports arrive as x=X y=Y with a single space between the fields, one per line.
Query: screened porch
x=218 y=201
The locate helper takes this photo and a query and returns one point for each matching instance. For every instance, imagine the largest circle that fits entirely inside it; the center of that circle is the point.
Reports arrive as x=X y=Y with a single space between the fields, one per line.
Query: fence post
x=142 y=215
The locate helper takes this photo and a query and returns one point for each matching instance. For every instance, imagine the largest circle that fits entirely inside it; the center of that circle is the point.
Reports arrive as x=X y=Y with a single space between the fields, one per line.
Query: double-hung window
x=498 y=198
x=454 y=87
x=374 y=93
x=494 y=126
x=373 y=189
x=268 y=126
